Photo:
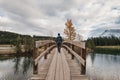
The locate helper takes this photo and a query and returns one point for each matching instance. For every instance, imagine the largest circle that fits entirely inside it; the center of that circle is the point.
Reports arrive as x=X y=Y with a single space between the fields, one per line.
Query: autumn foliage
x=70 y=30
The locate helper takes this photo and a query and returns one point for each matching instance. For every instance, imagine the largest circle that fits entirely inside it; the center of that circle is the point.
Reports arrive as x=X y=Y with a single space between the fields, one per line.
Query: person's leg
x=59 y=48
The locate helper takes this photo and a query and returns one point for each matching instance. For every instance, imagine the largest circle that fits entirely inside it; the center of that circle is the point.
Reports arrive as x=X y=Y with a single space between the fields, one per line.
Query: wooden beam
x=35 y=68
x=79 y=58
x=43 y=53
x=43 y=43
x=76 y=43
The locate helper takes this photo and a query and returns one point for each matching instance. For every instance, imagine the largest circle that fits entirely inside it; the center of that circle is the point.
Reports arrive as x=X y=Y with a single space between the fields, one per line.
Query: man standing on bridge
x=59 y=42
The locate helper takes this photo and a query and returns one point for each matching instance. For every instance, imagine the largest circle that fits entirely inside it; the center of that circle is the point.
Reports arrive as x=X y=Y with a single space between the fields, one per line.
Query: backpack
x=59 y=39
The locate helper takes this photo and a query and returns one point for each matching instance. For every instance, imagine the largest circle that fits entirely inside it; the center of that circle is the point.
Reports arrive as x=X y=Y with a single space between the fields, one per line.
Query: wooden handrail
x=79 y=58
x=43 y=53
x=43 y=43
x=76 y=43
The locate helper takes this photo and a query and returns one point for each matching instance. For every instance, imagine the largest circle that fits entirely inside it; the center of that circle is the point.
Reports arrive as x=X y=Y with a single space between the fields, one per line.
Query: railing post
x=73 y=50
x=49 y=46
x=83 y=68
x=45 y=57
x=35 y=67
x=45 y=47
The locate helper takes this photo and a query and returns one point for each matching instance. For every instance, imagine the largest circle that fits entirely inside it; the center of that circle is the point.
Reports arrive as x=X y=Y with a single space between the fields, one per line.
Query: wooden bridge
x=69 y=64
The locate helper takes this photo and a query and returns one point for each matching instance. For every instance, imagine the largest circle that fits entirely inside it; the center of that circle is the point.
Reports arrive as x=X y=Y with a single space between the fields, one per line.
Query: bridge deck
x=58 y=66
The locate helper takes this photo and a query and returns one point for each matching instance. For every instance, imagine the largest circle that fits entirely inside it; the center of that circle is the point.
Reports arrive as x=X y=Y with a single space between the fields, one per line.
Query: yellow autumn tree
x=69 y=31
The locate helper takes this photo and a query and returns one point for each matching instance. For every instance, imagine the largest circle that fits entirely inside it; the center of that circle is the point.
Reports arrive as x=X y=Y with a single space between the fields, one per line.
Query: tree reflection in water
x=27 y=63
x=22 y=64
x=15 y=67
x=17 y=60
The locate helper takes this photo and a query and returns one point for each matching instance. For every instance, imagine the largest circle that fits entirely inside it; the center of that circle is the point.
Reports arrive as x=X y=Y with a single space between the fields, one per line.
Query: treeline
x=21 y=41
x=103 y=41
x=43 y=38
x=10 y=37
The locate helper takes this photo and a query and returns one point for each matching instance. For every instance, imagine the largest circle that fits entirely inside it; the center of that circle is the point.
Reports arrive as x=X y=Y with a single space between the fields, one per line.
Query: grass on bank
x=115 y=50
x=109 y=47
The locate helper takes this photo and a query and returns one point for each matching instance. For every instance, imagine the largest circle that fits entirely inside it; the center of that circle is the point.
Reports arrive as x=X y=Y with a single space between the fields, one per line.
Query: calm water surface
x=99 y=67
x=103 y=67
x=16 y=68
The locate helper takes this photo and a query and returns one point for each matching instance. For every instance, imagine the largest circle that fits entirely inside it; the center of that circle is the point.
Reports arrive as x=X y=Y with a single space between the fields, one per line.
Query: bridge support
x=73 y=50
x=35 y=68
x=45 y=47
x=45 y=57
x=83 y=68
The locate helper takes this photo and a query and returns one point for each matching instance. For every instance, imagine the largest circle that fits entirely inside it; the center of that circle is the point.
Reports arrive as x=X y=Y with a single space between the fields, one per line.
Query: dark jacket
x=58 y=39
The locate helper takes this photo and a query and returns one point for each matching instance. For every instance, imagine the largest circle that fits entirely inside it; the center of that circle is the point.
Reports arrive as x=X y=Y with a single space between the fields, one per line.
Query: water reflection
x=99 y=67
x=15 y=68
x=27 y=63
x=16 y=60
x=103 y=67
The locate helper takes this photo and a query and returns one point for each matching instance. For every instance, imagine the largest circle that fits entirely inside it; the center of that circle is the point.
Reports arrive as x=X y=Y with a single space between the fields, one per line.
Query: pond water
x=15 y=68
x=99 y=67
x=103 y=67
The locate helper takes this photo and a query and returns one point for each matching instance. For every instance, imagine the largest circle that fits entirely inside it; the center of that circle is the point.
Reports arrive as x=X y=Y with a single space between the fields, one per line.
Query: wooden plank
x=66 y=70
x=51 y=72
x=37 y=77
x=61 y=68
x=57 y=71
x=79 y=77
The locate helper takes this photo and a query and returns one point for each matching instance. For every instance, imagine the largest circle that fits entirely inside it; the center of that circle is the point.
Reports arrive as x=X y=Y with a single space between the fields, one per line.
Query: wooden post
x=34 y=50
x=83 y=68
x=49 y=46
x=84 y=54
x=45 y=47
x=81 y=52
x=68 y=51
x=45 y=57
x=73 y=50
x=69 y=45
x=35 y=68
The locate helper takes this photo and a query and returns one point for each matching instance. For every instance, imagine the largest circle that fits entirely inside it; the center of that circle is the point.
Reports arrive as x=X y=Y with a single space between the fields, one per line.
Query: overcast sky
x=48 y=17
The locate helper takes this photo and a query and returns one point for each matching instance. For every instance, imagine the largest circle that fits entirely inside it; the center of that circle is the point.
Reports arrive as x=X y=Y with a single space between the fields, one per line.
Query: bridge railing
x=78 y=51
x=37 y=54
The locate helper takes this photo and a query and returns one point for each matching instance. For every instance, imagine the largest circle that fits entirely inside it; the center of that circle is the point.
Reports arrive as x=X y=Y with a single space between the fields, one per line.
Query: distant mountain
x=105 y=32
x=114 y=32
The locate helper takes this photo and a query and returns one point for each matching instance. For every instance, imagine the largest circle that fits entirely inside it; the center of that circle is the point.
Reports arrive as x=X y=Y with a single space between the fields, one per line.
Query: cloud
x=41 y=17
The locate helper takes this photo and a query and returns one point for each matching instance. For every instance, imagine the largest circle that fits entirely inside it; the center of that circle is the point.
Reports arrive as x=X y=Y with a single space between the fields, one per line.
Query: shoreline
x=108 y=50
x=9 y=50
x=105 y=49
x=109 y=47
